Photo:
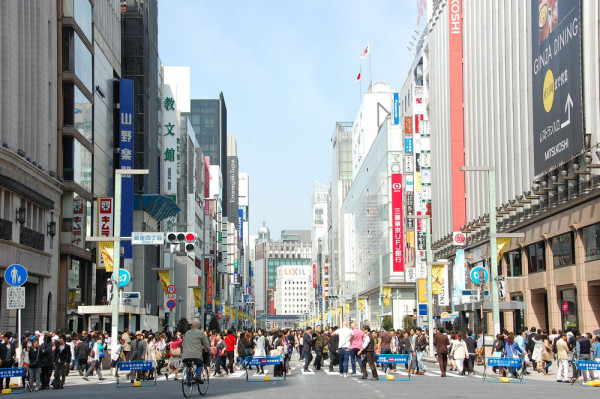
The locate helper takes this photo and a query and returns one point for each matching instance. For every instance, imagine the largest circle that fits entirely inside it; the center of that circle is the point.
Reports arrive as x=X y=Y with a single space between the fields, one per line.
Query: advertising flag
x=197 y=297
x=226 y=310
x=387 y=295
x=107 y=252
x=361 y=304
x=437 y=277
x=165 y=281
x=502 y=244
x=422 y=290
x=347 y=308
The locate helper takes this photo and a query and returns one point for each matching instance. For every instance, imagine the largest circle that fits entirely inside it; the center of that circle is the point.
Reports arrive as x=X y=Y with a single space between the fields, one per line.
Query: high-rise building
x=293 y=290
x=209 y=120
x=30 y=193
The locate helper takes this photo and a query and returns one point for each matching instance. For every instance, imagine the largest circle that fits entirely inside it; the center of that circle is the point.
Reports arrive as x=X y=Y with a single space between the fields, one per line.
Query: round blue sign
x=476 y=275
x=124 y=278
x=15 y=275
x=171 y=304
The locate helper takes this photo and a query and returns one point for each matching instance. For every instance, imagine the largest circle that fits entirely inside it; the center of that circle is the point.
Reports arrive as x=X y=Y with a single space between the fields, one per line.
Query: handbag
x=175 y=352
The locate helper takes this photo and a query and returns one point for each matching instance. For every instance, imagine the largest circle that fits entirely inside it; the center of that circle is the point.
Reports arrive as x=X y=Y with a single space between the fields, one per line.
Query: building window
x=537 y=257
x=563 y=250
x=591 y=242
x=568 y=308
x=513 y=263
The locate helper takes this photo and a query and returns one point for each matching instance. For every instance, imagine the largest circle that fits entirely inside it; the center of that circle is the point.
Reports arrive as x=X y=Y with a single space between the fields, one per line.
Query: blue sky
x=287 y=70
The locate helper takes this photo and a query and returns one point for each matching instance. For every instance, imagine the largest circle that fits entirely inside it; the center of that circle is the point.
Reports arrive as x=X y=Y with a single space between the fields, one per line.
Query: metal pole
x=493 y=252
x=116 y=264
x=356 y=291
x=429 y=253
x=380 y=292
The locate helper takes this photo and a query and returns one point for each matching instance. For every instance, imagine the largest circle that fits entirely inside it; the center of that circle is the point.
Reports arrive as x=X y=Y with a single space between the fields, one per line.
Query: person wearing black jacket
x=368 y=348
x=334 y=340
x=62 y=358
x=7 y=357
x=82 y=351
x=47 y=361
x=307 y=344
x=35 y=365
x=471 y=346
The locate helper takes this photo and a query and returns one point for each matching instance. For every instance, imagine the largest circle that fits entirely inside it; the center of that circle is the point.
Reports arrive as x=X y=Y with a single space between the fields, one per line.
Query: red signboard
x=314 y=276
x=418 y=118
x=206 y=177
x=408 y=124
x=456 y=114
x=397 y=220
x=209 y=281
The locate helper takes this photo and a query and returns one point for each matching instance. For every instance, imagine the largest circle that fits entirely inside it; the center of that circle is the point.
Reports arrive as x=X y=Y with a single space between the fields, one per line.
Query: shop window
x=591 y=242
x=568 y=308
x=563 y=250
x=537 y=257
x=513 y=263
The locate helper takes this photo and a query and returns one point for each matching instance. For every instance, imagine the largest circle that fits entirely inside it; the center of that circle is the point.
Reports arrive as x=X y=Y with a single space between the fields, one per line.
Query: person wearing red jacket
x=230 y=342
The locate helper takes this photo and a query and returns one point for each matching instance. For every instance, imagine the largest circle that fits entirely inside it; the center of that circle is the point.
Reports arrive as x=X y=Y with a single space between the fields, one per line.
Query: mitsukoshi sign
x=556 y=83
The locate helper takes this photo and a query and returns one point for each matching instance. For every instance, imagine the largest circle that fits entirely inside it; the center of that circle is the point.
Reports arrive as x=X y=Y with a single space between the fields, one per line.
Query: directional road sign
x=124 y=278
x=15 y=275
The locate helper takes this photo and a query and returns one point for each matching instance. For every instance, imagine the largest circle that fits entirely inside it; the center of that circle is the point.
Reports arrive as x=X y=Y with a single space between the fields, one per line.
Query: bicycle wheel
x=203 y=387
x=187 y=383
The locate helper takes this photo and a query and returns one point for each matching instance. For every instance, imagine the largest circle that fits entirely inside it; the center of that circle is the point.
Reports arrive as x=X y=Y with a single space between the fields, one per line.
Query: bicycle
x=188 y=382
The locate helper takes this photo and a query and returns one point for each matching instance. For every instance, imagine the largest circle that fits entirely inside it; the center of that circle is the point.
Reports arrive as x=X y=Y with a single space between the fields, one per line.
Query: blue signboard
x=264 y=360
x=396 y=109
x=241 y=223
x=15 y=275
x=408 y=145
x=209 y=308
x=476 y=274
x=504 y=362
x=135 y=365
x=391 y=359
x=422 y=309
x=124 y=278
x=126 y=161
x=12 y=372
x=583 y=365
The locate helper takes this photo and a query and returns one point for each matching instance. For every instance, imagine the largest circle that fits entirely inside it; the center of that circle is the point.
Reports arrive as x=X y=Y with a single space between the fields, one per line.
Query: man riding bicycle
x=194 y=341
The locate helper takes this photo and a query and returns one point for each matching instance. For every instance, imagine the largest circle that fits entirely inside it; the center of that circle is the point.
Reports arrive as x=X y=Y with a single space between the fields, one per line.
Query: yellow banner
x=339 y=311
x=437 y=279
x=72 y=298
x=387 y=295
x=217 y=303
x=422 y=290
x=226 y=310
x=106 y=249
x=163 y=276
x=410 y=238
x=347 y=308
x=197 y=297
x=361 y=303
x=502 y=244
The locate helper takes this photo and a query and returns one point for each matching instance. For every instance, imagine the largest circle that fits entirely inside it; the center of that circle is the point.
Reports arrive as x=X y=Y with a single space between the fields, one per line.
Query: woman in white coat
x=460 y=353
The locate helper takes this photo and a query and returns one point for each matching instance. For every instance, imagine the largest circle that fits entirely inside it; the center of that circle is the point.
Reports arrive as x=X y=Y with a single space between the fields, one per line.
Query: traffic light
x=187 y=239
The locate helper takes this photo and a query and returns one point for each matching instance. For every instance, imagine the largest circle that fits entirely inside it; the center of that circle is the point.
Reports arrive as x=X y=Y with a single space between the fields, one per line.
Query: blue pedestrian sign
x=422 y=309
x=15 y=275
x=124 y=278
x=476 y=275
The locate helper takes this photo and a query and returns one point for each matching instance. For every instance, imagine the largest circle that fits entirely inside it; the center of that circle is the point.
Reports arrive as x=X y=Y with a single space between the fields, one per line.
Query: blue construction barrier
x=263 y=361
x=587 y=365
x=393 y=359
x=505 y=362
x=133 y=366
x=17 y=372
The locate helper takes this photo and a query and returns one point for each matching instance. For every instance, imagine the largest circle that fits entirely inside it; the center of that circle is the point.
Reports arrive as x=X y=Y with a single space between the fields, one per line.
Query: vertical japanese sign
x=126 y=151
x=556 y=82
x=170 y=145
x=105 y=225
x=241 y=224
x=397 y=219
x=206 y=176
x=408 y=124
x=208 y=272
x=456 y=114
x=314 y=275
x=78 y=222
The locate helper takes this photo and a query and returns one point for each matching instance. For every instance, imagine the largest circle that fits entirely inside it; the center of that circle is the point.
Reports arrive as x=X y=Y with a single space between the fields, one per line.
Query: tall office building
x=209 y=120
x=30 y=194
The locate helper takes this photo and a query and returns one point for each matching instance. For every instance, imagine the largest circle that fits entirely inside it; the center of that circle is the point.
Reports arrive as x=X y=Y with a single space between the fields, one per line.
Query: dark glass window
x=591 y=242
x=563 y=250
x=513 y=263
x=537 y=257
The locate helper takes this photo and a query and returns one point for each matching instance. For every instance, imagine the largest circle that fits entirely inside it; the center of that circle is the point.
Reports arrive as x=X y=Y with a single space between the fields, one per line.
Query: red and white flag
x=365 y=52
x=358 y=78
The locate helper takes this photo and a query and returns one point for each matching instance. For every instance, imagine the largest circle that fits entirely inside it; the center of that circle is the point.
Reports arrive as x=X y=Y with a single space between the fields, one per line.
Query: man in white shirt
x=345 y=335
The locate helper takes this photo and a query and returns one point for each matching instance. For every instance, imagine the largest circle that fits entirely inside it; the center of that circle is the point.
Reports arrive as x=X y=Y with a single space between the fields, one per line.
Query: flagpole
x=370 y=79
x=359 y=86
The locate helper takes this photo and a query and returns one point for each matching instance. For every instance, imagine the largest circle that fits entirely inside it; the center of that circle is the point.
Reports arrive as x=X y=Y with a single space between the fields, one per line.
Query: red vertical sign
x=206 y=177
x=209 y=281
x=314 y=276
x=397 y=224
x=457 y=140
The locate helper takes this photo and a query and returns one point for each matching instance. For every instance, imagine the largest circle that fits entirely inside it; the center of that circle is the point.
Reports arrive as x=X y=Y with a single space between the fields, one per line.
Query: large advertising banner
x=556 y=84
x=397 y=219
x=126 y=152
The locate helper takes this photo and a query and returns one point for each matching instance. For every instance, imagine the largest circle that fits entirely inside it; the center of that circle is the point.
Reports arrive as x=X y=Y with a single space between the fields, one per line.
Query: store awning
x=159 y=206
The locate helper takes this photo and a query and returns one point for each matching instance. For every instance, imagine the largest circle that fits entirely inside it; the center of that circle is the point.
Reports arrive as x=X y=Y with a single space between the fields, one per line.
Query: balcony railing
x=31 y=238
x=5 y=229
